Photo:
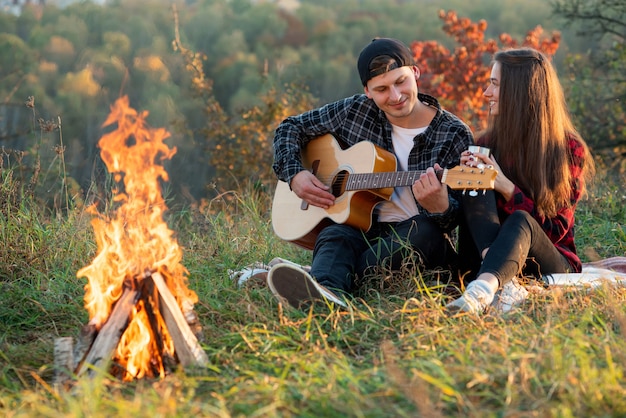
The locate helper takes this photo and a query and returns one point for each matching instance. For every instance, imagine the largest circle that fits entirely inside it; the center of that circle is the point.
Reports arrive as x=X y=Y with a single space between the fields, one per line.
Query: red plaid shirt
x=560 y=229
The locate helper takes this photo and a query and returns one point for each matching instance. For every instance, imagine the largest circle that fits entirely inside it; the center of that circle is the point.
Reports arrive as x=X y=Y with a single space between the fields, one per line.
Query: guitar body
x=300 y=223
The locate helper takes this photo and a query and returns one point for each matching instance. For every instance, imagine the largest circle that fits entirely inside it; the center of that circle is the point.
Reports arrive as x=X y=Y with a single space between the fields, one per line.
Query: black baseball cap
x=389 y=47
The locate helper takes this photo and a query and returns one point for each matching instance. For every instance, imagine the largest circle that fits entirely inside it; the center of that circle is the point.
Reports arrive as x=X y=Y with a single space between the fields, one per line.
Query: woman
x=527 y=225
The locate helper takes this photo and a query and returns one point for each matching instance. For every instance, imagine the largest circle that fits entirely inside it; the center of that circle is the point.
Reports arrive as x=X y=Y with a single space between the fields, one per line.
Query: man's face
x=395 y=92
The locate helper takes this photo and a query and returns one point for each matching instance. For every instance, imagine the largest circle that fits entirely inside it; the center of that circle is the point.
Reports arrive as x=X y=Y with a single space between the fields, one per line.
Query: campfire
x=140 y=308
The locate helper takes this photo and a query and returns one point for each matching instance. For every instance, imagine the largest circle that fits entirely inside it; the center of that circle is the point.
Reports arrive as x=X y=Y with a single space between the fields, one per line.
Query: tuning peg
x=473 y=193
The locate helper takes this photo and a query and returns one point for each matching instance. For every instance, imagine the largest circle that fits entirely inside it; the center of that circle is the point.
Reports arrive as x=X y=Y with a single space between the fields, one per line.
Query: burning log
x=109 y=336
x=186 y=344
x=97 y=348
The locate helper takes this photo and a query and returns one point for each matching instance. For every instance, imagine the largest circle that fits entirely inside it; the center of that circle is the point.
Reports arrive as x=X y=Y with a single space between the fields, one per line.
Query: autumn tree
x=457 y=78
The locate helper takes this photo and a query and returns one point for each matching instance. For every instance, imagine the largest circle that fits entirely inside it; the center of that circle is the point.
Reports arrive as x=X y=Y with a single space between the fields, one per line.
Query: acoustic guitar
x=359 y=177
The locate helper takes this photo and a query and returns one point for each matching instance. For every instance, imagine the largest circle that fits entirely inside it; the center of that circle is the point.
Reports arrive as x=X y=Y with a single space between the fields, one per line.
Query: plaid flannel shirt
x=560 y=229
x=356 y=119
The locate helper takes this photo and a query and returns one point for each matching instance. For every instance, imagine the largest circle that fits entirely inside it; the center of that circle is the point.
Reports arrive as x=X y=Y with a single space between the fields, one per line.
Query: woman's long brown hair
x=529 y=135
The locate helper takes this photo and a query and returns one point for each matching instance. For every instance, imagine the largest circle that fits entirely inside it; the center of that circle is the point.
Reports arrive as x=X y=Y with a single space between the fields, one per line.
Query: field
x=393 y=352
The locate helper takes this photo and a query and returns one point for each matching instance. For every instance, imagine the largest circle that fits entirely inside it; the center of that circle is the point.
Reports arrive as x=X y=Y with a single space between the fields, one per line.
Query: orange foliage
x=457 y=78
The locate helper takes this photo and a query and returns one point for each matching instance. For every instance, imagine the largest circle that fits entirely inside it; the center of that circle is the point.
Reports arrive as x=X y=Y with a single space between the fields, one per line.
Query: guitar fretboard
x=364 y=181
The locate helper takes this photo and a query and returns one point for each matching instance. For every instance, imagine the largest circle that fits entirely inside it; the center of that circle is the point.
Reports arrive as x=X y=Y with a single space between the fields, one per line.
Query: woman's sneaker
x=296 y=287
x=477 y=296
x=510 y=295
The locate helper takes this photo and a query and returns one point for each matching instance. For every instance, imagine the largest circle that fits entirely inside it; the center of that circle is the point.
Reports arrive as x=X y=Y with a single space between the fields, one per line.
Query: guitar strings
x=342 y=175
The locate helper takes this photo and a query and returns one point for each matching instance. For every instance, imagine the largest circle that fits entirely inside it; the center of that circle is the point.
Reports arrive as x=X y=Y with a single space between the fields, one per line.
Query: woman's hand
x=503 y=185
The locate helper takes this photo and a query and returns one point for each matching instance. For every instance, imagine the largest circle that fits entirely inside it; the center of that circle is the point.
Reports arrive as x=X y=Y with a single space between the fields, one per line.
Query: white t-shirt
x=402 y=204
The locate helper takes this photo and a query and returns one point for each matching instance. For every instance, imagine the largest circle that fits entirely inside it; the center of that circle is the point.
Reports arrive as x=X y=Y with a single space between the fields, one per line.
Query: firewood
x=84 y=342
x=63 y=360
x=186 y=346
x=110 y=334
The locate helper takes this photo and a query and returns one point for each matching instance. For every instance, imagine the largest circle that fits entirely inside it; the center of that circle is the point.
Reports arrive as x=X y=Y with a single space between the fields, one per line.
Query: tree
x=240 y=147
x=17 y=60
x=599 y=18
x=596 y=80
x=60 y=51
x=457 y=78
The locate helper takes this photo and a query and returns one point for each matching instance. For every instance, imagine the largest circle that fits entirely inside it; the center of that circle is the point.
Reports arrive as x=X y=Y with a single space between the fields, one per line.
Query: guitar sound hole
x=339 y=183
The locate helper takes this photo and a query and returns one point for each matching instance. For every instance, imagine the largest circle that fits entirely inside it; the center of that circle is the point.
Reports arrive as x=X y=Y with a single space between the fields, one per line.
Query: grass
x=394 y=352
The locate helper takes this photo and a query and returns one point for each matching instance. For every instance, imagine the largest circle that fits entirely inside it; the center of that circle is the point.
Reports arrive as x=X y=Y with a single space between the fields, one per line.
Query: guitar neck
x=365 y=181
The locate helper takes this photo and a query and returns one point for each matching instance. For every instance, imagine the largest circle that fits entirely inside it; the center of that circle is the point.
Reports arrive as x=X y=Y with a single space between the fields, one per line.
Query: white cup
x=475 y=149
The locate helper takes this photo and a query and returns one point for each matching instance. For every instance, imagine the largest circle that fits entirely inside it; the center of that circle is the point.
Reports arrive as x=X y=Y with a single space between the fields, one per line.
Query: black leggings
x=517 y=246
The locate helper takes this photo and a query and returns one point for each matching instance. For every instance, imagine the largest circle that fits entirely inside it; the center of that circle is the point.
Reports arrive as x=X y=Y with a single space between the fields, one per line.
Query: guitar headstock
x=470 y=178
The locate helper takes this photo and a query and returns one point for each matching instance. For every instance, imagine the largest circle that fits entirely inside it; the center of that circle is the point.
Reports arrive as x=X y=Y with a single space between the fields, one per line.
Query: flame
x=134 y=238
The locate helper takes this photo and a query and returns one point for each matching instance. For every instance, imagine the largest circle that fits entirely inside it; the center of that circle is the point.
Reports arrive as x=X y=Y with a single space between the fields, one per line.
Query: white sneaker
x=509 y=296
x=477 y=296
x=254 y=273
x=295 y=286
x=278 y=260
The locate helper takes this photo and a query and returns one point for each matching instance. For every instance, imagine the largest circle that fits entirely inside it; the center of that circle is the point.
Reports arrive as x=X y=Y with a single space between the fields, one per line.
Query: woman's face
x=492 y=92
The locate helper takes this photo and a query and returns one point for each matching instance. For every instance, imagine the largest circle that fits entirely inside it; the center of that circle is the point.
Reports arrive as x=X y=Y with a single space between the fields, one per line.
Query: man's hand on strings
x=431 y=194
x=310 y=189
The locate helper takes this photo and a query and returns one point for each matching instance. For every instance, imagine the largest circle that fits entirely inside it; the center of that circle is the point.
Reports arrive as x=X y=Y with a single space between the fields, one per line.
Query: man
x=414 y=222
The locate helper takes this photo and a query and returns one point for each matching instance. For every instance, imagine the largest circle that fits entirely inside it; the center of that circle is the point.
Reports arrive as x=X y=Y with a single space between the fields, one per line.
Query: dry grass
x=394 y=352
